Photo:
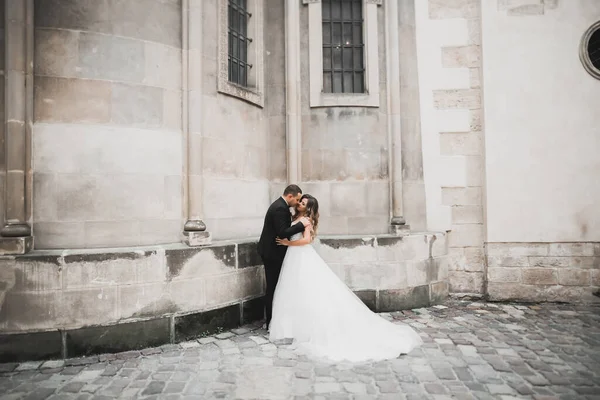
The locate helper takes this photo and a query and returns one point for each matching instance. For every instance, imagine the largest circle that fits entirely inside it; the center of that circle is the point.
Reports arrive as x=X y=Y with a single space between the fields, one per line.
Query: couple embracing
x=308 y=303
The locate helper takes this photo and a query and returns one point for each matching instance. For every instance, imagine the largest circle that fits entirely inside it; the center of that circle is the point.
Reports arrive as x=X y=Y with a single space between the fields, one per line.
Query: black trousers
x=272 y=270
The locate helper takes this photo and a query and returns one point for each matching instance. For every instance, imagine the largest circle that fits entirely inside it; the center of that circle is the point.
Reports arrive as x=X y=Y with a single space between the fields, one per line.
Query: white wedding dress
x=325 y=319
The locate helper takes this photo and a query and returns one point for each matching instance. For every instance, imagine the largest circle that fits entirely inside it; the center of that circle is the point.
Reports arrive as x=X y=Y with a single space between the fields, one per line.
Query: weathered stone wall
x=390 y=272
x=549 y=191
x=345 y=154
x=2 y=114
x=60 y=290
x=107 y=145
x=449 y=51
x=64 y=290
x=542 y=191
x=544 y=271
x=236 y=144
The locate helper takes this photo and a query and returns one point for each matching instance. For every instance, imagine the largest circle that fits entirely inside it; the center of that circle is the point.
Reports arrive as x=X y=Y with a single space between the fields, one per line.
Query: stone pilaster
x=413 y=184
x=398 y=222
x=293 y=93
x=194 y=231
x=16 y=234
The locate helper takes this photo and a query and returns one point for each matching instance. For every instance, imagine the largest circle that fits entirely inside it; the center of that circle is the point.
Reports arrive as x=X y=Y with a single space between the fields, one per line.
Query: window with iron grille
x=238 y=40
x=343 y=46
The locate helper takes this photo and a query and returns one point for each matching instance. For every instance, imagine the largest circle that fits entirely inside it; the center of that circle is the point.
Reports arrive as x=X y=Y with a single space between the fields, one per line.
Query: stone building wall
x=542 y=164
x=236 y=135
x=449 y=50
x=345 y=152
x=107 y=141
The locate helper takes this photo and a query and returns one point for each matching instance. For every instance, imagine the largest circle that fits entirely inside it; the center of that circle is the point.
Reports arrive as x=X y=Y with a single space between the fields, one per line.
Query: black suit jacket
x=278 y=224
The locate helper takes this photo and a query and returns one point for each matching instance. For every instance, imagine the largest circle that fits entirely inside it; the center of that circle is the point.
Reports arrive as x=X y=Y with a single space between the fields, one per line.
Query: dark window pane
x=234 y=72
x=346 y=10
x=326 y=33
x=336 y=12
x=243 y=50
x=337 y=58
x=243 y=80
x=327 y=58
x=358 y=58
x=594 y=49
x=326 y=9
x=348 y=82
x=235 y=20
x=357 y=33
x=347 y=34
x=357 y=10
x=347 y=57
x=359 y=82
x=327 y=82
x=336 y=34
x=337 y=82
x=236 y=48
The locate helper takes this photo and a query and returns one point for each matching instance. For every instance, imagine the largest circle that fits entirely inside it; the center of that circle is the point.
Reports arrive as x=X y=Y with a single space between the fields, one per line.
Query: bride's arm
x=306 y=239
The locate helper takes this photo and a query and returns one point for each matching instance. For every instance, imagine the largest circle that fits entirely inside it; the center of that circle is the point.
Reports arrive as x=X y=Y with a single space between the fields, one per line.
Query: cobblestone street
x=471 y=351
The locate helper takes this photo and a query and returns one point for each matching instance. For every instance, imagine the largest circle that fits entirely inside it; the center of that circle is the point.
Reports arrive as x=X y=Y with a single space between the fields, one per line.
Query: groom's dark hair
x=294 y=190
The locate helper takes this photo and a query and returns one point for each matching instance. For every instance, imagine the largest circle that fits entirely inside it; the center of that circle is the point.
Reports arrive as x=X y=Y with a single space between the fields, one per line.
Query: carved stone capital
x=310 y=1
x=378 y=2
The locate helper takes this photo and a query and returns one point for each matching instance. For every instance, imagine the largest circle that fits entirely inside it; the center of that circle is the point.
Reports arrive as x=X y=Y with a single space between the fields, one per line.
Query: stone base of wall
x=81 y=302
x=127 y=336
x=544 y=271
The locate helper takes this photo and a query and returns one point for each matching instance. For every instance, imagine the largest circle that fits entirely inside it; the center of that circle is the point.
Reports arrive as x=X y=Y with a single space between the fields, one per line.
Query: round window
x=589 y=50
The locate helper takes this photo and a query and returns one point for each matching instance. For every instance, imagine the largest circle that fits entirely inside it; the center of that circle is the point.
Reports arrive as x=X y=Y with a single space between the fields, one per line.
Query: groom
x=278 y=224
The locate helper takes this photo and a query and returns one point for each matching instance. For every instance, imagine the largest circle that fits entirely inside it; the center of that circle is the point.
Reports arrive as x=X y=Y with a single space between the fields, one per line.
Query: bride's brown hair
x=312 y=211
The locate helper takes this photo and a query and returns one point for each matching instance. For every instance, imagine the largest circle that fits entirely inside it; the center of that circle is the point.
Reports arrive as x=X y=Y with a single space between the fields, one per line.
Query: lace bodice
x=296 y=236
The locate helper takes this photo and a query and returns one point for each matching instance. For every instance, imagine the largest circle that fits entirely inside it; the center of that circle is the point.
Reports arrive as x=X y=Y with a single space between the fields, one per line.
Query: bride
x=321 y=314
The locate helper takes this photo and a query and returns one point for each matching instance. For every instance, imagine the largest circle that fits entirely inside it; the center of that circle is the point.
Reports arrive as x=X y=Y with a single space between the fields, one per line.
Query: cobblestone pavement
x=471 y=351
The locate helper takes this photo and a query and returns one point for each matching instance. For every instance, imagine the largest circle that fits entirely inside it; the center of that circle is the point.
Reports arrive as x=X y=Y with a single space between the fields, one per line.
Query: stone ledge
x=88 y=295
x=128 y=336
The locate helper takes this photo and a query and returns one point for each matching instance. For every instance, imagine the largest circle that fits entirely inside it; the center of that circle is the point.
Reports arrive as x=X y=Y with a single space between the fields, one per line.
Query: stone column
x=194 y=230
x=16 y=234
x=293 y=105
x=397 y=221
x=413 y=184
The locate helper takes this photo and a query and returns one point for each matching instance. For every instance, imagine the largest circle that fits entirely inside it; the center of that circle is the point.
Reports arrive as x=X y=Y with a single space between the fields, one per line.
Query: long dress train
x=325 y=319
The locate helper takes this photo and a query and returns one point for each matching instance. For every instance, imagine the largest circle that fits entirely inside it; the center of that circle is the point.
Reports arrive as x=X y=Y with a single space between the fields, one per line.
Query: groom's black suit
x=278 y=224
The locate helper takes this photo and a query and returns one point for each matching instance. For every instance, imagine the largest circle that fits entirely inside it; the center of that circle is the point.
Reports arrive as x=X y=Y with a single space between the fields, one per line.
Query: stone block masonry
x=544 y=271
x=122 y=299
x=107 y=124
x=461 y=189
